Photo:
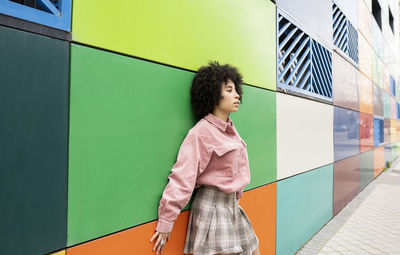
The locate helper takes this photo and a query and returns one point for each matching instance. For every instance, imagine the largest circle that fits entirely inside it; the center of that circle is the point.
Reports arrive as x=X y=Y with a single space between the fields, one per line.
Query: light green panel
x=303 y=206
x=128 y=118
x=377 y=70
x=386 y=105
x=186 y=34
x=256 y=124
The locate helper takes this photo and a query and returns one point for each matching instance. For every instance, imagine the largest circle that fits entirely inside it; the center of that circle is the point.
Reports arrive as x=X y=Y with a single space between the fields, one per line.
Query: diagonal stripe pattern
x=345 y=36
x=303 y=65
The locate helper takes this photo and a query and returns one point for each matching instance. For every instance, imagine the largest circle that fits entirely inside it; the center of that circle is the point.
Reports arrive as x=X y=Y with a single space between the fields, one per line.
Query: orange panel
x=379 y=160
x=366 y=132
x=364 y=20
x=366 y=94
x=135 y=241
x=259 y=204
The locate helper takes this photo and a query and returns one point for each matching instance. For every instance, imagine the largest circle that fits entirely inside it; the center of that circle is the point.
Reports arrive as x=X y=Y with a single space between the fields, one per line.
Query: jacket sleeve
x=182 y=180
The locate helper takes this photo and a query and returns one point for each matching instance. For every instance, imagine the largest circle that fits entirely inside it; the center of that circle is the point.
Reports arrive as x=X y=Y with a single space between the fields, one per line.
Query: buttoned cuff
x=164 y=226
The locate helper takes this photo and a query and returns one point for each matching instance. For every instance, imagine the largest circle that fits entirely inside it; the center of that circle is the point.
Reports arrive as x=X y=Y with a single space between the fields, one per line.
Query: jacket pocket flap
x=221 y=150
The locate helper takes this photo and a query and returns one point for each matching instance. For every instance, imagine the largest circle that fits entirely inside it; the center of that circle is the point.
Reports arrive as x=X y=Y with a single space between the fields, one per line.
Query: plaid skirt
x=217 y=224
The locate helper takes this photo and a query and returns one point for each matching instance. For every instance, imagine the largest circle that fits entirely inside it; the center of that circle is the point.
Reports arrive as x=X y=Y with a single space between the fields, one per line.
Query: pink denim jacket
x=211 y=154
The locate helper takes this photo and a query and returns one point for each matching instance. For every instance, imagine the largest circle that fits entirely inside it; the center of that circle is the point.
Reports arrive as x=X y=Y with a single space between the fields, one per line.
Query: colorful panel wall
x=34 y=140
x=92 y=121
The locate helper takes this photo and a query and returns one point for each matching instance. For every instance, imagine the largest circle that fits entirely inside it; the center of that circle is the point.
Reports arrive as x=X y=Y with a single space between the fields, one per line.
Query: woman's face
x=230 y=99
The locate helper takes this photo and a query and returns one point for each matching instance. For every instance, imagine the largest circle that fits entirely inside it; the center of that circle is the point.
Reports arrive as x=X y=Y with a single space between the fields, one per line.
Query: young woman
x=213 y=159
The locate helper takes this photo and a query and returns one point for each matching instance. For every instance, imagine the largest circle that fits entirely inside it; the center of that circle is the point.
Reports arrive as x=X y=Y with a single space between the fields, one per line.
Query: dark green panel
x=256 y=124
x=366 y=168
x=33 y=134
x=128 y=120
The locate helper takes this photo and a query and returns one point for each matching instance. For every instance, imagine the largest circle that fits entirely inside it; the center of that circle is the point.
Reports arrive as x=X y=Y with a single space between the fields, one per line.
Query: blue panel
x=345 y=36
x=378 y=131
x=392 y=86
x=303 y=65
x=57 y=15
x=303 y=206
x=398 y=110
x=346 y=133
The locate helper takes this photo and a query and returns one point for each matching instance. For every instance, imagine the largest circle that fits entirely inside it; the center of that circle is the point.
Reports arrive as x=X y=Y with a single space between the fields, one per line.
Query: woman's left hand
x=161 y=241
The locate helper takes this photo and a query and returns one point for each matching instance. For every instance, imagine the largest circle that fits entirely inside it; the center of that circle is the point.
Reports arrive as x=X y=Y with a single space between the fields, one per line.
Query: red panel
x=379 y=160
x=366 y=132
x=346 y=182
x=259 y=204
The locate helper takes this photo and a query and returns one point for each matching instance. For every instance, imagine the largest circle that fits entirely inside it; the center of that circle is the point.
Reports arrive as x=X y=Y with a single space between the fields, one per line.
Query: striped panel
x=303 y=65
x=345 y=36
x=321 y=70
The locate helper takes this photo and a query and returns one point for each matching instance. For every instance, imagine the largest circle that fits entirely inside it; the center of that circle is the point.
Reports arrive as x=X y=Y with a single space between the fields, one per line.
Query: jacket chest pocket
x=226 y=159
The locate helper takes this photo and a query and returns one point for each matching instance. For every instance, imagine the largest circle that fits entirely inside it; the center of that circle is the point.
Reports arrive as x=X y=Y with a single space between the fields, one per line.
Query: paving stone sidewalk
x=369 y=224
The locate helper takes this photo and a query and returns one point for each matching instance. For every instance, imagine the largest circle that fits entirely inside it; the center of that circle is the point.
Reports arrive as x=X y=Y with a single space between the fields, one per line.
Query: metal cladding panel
x=55 y=14
x=379 y=160
x=304 y=205
x=317 y=20
x=377 y=70
x=365 y=94
x=377 y=38
x=185 y=34
x=388 y=155
x=386 y=79
x=378 y=101
x=366 y=132
x=386 y=131
x=392 y=86
x=365 y=57
x=346 y=182
x=344 y=80
x=314 y=147
x=346 y=133
x=386 y=105
x=350 y=9
x=393 y=131
x=378 y=131
x=113 y=138
x=259 y=205
x=364 y=20
x=34 y=140
x=366 y=168
x=393 y=108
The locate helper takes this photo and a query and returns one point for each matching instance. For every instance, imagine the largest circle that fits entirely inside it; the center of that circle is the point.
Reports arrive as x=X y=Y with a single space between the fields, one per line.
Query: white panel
x=350 y=9
x=304 y=135
x=314 y=16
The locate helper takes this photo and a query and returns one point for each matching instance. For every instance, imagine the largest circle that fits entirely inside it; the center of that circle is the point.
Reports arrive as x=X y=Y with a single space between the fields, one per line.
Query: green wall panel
x=386 y=105
x=304 y=205
x=185 y=33
x=128 y=118
x=256 y=124
x=33 y=148
x=366 y=168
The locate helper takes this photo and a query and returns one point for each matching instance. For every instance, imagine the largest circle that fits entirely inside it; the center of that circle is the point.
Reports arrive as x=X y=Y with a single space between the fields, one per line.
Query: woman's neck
x=220 y=115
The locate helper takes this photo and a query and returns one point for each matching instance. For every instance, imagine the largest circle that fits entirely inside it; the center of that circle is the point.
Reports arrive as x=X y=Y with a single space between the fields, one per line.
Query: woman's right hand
x=161 y=241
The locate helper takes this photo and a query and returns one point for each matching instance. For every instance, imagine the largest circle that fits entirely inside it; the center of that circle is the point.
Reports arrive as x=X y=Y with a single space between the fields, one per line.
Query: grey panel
x=314 y=16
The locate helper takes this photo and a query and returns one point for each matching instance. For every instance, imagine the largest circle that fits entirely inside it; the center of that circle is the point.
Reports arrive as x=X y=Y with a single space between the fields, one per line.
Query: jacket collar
x=218 y=123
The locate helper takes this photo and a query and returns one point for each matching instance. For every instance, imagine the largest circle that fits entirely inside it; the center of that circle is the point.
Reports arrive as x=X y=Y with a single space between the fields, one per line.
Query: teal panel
x=304 y=205
x=128 y=118
x=256 y=124
x=33 y=149
x=366 y=168
x=386 y=105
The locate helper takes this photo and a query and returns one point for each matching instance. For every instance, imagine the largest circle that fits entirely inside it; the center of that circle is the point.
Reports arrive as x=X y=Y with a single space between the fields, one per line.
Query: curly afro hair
x=207 y=83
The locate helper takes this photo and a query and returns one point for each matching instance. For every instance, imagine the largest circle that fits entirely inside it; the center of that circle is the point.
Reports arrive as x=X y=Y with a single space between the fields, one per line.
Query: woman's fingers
x=154 y=236
x=159 y=246
x=156 y=245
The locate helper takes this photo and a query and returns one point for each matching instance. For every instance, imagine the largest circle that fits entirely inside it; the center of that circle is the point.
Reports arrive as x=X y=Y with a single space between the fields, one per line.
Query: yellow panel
x=59 y=253
x=393 y=131
x=185 y=34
